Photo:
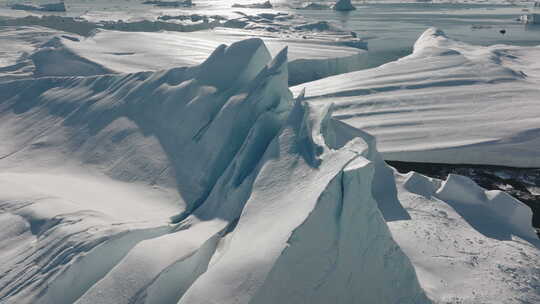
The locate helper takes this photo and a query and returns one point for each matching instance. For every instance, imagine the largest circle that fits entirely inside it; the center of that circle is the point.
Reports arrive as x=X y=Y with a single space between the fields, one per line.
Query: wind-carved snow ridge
x=470 y=200
x=299 y=233
x=252 y=176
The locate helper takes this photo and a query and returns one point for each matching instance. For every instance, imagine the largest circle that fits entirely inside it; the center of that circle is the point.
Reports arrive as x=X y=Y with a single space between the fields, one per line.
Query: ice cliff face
x=270 y=199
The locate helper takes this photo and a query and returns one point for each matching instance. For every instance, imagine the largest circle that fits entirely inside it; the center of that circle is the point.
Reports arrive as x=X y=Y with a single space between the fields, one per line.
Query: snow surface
x=462 y=249
x=187 y=185
x=448 y=102
x=113 y=51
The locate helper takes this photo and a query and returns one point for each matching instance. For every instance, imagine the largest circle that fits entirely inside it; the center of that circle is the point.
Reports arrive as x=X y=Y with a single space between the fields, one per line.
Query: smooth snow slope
x=188 y=185
x=448 y=102
x=310 y=59
x=108 y=52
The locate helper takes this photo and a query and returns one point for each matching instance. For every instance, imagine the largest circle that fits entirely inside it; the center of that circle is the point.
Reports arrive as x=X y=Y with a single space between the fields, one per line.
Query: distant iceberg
x=48 y=7
x=265 y=4
x=314 y=6
x=343 y=5
x=186 y=3
x=530 y=18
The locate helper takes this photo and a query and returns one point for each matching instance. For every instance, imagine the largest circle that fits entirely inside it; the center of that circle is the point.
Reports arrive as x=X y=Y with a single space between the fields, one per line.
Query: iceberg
x=186 y=3
x=444 y=103
x=265 y=4
x=343 y=5
x=530 y=18
x=110 y=51
x=314 y=6
x=84 y=27
x=187 y=185
x=186 y=178
x=47 y=7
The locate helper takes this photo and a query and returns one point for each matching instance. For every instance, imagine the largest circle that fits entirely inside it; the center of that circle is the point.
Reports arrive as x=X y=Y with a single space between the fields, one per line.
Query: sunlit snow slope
x=191 y=185
x=108 y=51
x=448 y=102
x=309 y=59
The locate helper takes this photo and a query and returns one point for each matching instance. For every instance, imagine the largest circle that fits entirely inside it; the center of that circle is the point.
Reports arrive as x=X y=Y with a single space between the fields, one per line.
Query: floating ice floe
x=186 y=3
x=530 y=18
x=314 y=6
x=265 y=4
x=84 y=27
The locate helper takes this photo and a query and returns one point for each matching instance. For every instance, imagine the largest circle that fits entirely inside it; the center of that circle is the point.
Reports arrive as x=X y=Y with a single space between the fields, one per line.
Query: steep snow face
x=301 y=221
x=250 y=180
x=468 y=245
x=445 y=103
x=86 y=163
x=112 y=123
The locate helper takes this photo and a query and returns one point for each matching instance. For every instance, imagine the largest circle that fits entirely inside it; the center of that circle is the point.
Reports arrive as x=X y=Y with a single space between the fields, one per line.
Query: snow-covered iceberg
x=447 y=102
x=190 y=185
